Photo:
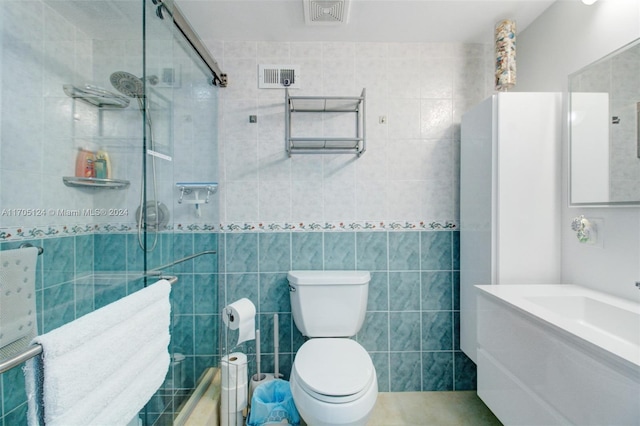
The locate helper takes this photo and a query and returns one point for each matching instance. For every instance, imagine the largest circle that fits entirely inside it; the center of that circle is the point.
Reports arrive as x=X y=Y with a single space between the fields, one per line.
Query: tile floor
x=459 y=408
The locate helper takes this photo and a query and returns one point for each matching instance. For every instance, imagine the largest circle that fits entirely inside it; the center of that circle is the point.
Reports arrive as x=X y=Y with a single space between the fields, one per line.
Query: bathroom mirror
x=604 y=135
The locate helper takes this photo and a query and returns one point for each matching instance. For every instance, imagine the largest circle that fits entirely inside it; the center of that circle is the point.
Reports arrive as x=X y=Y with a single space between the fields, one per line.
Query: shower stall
x=105 y=106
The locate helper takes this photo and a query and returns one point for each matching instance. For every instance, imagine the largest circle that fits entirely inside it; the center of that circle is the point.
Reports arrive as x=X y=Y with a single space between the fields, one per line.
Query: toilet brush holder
x=260 y=377
x=257 y=381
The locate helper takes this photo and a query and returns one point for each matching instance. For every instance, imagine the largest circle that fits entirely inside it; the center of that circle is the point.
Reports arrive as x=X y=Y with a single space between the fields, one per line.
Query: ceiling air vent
x=326 y=12
x=278 y=76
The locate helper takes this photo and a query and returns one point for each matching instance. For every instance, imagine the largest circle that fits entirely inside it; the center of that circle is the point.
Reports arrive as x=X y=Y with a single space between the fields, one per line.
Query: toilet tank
x=328 y=303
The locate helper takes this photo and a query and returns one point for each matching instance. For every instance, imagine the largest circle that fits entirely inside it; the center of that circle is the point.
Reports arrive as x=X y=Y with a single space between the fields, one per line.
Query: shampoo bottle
x=103 y=155
x=84 y=163
x=100 y=168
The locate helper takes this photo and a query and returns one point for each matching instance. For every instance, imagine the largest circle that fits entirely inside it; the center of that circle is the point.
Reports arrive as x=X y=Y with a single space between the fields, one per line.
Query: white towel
x=18 y=323
x=102 y=368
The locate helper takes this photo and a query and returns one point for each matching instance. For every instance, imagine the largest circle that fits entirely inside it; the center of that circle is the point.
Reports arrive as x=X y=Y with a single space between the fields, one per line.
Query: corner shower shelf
x=96 y=96
x=326 y=104
x=75 y=181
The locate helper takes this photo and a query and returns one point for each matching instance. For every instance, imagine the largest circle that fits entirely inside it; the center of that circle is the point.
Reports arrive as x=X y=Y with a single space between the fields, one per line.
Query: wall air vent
x=278 y=76
x=326 y=12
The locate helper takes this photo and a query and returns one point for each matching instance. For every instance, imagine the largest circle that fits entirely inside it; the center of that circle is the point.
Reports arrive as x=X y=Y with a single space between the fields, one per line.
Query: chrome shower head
x=127 y=84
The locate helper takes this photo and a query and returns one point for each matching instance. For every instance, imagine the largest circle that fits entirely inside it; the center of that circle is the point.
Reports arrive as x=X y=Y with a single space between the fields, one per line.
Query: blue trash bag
x=272 y=403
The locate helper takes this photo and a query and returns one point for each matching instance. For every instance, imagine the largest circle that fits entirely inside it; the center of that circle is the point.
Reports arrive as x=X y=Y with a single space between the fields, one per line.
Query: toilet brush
x=258 y=376
x=276 y=347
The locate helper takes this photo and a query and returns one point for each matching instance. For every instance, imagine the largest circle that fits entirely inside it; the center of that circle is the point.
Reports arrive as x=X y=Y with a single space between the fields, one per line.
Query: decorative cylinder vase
x=505 y=55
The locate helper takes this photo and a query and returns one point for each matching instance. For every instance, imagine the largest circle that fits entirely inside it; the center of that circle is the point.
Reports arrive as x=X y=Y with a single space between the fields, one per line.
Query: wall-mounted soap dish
x=197 y=189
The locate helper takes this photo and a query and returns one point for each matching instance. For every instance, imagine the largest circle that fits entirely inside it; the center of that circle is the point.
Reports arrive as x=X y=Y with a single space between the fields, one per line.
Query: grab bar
x=36 y=349
x=158 y=270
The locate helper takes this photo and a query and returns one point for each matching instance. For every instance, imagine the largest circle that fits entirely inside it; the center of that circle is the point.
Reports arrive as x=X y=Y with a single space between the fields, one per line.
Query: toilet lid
x=335 y=367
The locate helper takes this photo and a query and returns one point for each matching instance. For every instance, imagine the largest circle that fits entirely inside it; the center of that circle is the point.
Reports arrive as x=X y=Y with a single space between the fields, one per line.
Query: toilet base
x=320 y=413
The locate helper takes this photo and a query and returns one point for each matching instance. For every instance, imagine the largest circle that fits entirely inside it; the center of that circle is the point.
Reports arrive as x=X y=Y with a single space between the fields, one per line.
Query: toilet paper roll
x=234 y=399
x=234 y=370
x=241 y=316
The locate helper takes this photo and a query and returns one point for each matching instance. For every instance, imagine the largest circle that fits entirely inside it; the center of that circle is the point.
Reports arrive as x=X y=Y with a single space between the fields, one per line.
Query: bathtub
x=203 y=405
x=558 y=354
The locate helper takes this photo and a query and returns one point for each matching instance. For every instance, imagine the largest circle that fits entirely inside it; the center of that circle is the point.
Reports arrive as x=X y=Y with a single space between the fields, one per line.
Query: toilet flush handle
x=291 y=288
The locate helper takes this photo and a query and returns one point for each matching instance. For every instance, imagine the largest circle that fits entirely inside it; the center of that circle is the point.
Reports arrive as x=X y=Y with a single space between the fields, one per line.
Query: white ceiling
x=469 y=21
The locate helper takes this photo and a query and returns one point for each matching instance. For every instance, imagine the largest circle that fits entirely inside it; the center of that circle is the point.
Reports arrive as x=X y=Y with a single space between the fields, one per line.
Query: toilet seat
x=331 y=398
x=334 y=370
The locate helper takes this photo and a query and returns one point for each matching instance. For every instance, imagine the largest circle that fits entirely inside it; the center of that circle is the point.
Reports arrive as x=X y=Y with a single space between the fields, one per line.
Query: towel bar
x=18 y=359
x=36 y=349
x=27 y=245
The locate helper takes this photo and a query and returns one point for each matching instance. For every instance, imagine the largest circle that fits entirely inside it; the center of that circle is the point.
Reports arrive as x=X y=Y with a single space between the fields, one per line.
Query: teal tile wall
x=78 y=274
x=411 y=329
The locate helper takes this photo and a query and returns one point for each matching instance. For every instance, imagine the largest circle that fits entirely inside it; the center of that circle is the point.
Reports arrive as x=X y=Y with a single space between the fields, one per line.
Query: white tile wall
x=40 y=51
x=409 y=171
x=41 y=128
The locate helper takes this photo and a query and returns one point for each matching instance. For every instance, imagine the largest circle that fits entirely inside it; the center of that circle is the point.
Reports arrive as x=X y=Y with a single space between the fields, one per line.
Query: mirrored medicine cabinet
x=604 y=131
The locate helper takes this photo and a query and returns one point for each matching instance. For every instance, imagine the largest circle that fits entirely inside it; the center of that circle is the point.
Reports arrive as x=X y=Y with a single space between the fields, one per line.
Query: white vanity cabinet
x=535 y=372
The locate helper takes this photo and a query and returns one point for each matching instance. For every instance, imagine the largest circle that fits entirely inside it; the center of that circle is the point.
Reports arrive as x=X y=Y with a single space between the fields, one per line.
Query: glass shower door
x=60 y=110
x=181 y=143
x=154 y=219
x=108 y=81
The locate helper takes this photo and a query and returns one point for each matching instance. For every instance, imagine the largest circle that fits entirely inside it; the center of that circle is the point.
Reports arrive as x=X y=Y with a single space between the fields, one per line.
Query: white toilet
x=333 y=381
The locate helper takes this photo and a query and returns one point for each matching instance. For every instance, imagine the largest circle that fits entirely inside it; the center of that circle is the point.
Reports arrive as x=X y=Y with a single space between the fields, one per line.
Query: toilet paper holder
x=240 y=315
x=229 y=314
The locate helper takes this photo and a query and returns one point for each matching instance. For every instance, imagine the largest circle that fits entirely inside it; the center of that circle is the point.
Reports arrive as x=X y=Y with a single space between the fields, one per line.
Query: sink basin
x=590 y=312
x=609 y=323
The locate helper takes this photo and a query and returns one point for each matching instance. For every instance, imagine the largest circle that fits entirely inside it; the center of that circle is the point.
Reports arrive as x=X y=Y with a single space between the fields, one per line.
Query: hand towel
x=102 y=368
x=18 y=323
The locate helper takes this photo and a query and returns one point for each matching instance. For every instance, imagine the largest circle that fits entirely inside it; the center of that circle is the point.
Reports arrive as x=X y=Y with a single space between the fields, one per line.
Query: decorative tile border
x=52 y=231
x=194 y=227
x=20 y=233
x=338 y=226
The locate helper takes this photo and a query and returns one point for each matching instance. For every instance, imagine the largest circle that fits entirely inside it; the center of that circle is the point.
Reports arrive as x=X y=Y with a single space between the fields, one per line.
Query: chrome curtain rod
x=219 y=78
x=36 y=349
